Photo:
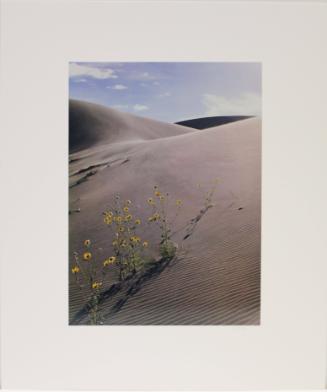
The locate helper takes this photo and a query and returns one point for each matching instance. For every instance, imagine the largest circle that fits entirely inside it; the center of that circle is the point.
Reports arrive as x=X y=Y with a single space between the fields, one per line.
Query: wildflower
x=109 y=261
x=145 y=244
x=128 y=217
x=96 y=285
x=115 y=243
x=122 y=229
x=75 y=269
x=135 y=239
x=155 y=187
x=87 y=256
x=157 y=193
x=178 y=202
x=87 y=243
x=150 y=201
x=126 y=209
x=156 y=216
x=150 y=219
x=109 y=214
x=161 y=197
x=128 y=202
x=138 y=221
x=107 y=220
x=119 y=219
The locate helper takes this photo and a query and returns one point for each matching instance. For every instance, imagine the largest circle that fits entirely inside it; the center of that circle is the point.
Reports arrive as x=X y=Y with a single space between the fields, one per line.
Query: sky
x=170 y=91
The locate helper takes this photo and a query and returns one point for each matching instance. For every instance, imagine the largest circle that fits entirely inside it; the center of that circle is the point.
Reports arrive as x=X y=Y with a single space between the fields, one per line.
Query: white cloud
x=118 y=87
x=77 y=70
x=245 y=104
x=156 y=83
x=142 y=77
x=163 y=95
x=140 y=108
x=80 y=80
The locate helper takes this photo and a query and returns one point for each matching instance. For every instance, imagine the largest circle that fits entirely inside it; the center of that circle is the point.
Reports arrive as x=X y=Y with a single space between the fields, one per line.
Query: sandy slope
x=216 y=280
x=92 y=124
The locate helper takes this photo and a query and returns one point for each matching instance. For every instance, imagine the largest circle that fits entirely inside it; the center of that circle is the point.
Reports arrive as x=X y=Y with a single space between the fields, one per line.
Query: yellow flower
x=150 y=219
x=126 y=209
x=156 y=216
x=96 y=285
x=75 y=269
x=157 y=193
x=109 y=261
x=121 y=229
x=150 y=201
x=109 y=214
x=128 y=202
x=87 y=256
x=115 y=243
x=145 y=244
x=135 y=239
x=161 y=197
x=128 y=217
x=87 y=243
x=107 y=220
x=138 y=221
x=178 y=202
x=119 y=219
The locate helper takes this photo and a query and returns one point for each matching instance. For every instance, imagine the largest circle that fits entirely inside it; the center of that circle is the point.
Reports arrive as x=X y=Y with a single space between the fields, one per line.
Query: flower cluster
x=128 y=246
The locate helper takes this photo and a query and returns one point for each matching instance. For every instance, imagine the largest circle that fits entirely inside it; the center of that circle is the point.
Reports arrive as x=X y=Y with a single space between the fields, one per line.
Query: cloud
x=142 y=76
x=140 y=108
x=156 y=83
x=118 y=87
x=77 y=70
x=163 y=95
x=80 y=80
x=245 y=104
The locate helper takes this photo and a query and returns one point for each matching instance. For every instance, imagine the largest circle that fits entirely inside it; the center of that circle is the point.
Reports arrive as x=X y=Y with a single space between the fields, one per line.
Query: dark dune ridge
x=91 y=124
x=215 y=279
x=209 y=122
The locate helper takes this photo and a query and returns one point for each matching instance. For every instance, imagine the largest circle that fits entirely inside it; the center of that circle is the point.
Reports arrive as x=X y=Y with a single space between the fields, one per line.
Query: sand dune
x=216 y=279
x=91 y=124
x=209 y=122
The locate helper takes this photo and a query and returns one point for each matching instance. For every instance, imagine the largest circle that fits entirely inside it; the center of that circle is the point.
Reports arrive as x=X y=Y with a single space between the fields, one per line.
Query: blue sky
x=170 y=91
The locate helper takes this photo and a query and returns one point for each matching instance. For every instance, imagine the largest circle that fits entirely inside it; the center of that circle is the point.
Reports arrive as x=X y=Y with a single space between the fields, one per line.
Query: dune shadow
x=127 y=288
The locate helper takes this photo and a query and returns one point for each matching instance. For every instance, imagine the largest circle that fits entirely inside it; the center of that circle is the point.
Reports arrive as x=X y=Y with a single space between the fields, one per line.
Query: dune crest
x=91 y=124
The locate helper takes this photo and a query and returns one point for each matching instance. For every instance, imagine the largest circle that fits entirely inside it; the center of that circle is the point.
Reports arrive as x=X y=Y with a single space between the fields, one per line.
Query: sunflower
x=107 y=220
x=138 y=221
x=150 y=200
x=87 y=243
x=128 y=217
x=87 y=256
x=96 y=285
x=75 y=270
x=109 y=261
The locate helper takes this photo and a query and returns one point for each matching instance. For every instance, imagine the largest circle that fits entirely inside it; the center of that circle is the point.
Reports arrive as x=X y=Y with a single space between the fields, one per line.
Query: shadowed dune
x=216 y=276
x=91 y=124
x=209 y=122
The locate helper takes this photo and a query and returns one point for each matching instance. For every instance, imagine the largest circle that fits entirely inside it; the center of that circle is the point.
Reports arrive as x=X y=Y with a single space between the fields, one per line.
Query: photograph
x=164 y=193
